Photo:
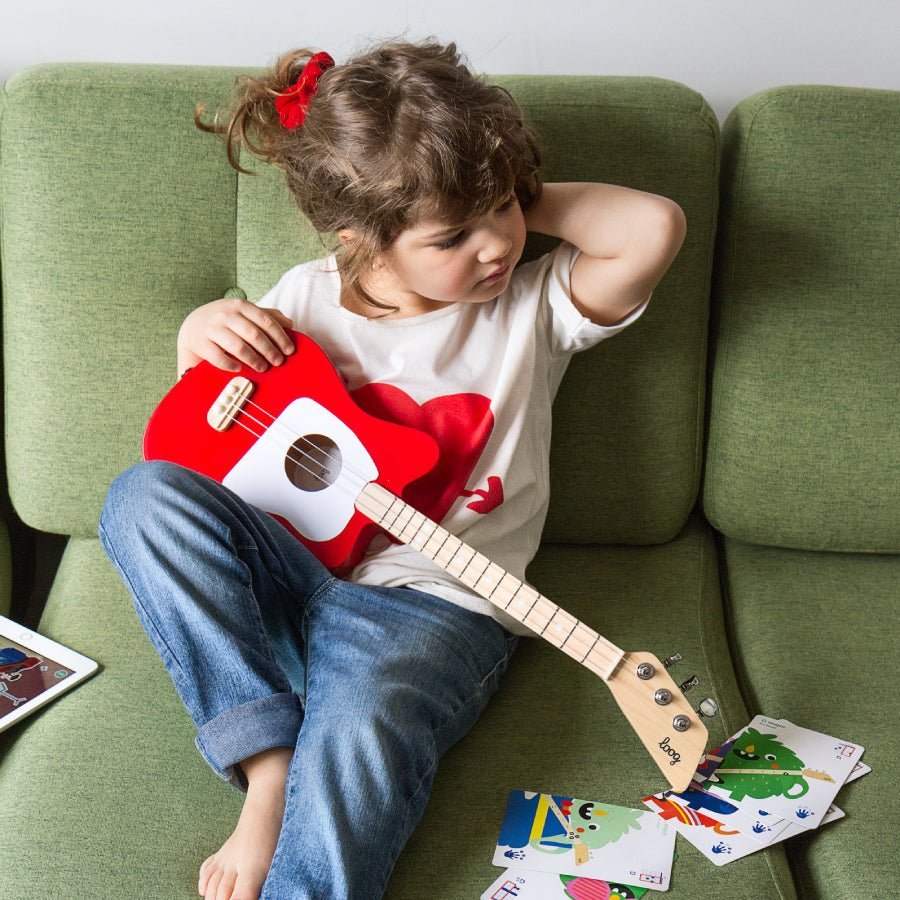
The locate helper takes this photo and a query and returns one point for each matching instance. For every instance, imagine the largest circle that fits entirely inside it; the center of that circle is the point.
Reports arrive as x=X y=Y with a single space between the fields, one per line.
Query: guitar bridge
x=229 y=403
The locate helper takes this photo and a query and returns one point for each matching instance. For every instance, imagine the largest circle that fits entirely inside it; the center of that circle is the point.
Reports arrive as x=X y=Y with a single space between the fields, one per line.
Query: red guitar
x=292 y=441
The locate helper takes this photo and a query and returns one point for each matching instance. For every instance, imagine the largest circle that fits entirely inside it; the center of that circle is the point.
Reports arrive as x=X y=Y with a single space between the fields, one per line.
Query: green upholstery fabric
x=130 y=808
x=804 y=418
x=119 y=217
x=816 y=643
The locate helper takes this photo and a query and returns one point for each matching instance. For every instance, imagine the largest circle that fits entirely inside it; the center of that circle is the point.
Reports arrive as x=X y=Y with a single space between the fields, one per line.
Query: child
x=330 y=701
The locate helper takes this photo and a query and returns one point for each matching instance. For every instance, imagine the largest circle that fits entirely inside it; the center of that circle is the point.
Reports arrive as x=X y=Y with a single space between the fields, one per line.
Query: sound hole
x=313 y=462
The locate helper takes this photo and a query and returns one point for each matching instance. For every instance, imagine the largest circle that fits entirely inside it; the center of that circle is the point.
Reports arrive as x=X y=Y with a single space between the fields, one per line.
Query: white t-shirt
x=481 y=377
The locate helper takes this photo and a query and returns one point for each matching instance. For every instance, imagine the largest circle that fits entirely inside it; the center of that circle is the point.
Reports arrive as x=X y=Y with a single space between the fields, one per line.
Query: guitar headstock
x=666 y=723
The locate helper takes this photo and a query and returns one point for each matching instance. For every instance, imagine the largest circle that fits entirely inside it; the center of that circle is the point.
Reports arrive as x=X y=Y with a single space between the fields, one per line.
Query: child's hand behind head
x=230 y=331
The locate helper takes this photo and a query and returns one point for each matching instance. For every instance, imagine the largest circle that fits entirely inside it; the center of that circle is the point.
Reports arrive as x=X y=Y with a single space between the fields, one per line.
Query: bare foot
x=239 y=868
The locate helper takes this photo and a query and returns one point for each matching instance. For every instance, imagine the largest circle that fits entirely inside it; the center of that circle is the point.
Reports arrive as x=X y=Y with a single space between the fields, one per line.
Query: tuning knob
x=670 y=661
x=685 y=686
x=707 y=708
x=645 y=671
x=681 y=722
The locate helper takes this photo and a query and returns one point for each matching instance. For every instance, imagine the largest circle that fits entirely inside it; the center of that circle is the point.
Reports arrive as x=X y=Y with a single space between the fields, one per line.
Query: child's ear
x=347 y=236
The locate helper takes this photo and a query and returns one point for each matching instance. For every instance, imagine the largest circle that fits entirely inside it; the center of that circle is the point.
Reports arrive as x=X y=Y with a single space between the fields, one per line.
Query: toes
x=205 y=871
x=212 y=886
x=223 y=892
x=245 y=889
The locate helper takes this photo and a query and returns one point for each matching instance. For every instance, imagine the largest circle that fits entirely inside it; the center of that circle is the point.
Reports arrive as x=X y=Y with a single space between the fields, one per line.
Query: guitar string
x=576 y=626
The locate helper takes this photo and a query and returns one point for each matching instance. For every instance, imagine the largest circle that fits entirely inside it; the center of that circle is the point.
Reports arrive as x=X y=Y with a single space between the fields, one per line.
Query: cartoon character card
x=597 y=841
x=516 y=884
x=696 y=807
x=776 y=767
x=722 y=844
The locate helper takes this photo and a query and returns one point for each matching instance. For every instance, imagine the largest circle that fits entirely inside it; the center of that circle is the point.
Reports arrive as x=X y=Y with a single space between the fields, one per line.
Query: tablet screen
x=25 y=675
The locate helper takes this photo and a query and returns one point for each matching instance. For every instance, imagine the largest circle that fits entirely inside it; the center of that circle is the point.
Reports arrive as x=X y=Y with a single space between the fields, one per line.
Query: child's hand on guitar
x=231 y=331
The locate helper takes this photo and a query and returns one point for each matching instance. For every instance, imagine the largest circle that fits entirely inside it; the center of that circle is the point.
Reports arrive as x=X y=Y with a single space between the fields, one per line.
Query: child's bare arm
x=229 y=332
x=628 y=239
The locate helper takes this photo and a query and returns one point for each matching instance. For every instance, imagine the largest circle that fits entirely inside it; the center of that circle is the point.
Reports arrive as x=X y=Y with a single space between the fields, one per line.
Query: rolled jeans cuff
x=244 y=730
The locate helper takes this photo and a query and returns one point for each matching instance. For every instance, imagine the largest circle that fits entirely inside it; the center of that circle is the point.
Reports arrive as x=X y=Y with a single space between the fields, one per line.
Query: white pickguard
x=260 y=477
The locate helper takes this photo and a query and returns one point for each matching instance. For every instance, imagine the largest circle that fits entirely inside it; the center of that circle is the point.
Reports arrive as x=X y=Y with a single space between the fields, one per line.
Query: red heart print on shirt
x=461 y=424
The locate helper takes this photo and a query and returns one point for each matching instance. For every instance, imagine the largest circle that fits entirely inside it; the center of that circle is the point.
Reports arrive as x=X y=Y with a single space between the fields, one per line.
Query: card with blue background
x=569 y=836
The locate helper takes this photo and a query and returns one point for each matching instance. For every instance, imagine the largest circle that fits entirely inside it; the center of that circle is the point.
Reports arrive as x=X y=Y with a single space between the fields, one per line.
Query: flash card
x=698 y=807
x=514 y=884
x=785 y=770
x=725 y=846
x=565 y=835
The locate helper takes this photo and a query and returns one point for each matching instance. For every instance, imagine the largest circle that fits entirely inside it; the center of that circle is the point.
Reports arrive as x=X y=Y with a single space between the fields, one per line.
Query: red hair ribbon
x=293 y=103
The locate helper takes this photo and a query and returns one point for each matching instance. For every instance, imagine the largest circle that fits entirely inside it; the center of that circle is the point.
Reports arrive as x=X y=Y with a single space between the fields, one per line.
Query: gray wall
x=726 y=49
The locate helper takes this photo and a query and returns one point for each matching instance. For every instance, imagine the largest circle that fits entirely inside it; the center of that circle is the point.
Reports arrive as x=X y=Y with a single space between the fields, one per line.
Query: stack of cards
x=562 y=847
x=771 y=781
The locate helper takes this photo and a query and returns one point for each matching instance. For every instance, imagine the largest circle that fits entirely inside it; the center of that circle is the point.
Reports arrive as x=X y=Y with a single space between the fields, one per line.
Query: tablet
x=34 y=670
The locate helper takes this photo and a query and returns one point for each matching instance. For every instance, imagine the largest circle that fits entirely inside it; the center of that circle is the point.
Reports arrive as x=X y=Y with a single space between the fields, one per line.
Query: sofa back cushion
x=804 y=415
x=119 y=217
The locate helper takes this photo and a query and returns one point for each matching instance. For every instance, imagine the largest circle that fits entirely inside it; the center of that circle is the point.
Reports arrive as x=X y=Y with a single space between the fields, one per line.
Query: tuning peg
x=707 y=708
x=692 y=682
x=670 y=661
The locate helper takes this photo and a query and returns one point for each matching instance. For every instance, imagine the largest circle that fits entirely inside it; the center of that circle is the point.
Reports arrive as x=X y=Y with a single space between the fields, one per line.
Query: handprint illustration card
x=568 y=836
x=777 y=767
x=697 y=807
x=722 y=844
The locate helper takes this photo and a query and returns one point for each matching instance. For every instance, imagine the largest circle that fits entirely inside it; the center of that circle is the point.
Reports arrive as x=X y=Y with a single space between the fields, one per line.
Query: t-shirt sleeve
x=569 y=330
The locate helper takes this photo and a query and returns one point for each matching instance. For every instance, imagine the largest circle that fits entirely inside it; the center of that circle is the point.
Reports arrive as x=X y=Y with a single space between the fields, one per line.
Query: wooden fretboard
x=489 y=580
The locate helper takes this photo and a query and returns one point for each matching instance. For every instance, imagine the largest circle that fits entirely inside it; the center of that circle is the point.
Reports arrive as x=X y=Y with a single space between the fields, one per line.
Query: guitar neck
x=490 y=581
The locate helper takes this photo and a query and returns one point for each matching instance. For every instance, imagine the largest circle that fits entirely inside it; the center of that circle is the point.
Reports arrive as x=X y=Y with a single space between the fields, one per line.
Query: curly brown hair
x=399 y=134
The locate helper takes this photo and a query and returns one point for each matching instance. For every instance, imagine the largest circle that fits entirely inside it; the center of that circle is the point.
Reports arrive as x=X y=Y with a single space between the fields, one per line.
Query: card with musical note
x=519 y=884
x=568 y=836
x=774 y=766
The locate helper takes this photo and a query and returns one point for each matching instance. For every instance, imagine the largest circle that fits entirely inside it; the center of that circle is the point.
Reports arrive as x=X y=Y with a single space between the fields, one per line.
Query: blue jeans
x=370 y=686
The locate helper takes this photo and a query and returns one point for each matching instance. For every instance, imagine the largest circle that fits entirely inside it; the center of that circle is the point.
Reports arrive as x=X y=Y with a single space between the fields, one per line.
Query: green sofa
x=725 y=473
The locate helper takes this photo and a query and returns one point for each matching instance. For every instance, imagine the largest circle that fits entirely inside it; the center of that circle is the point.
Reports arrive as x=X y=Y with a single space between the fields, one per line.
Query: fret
x=390 y=526
x=587 y=652
x=498 y=585
x=452 y=550
x=412 y=516
x=513 y=597
x=552 y=616
x=487 y=583
x=447 y=537
x=465 y=565
x=571 y=631
x=435 y=535
x=487 y=565
x=413 y=540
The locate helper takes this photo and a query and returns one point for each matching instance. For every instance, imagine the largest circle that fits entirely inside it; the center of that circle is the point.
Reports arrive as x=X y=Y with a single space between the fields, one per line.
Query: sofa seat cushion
x=816 y=634
x=126 y=799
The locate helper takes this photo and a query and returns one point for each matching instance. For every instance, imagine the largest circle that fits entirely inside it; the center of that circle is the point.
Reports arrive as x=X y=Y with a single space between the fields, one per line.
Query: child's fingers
x=227 y=351
x=273 y=323
x=262 y=348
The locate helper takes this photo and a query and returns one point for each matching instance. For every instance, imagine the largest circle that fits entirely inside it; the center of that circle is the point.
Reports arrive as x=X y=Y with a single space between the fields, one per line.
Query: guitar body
x=298 y=447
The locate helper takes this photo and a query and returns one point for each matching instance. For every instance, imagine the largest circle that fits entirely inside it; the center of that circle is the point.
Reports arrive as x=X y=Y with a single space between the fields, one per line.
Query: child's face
x=438 y=262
